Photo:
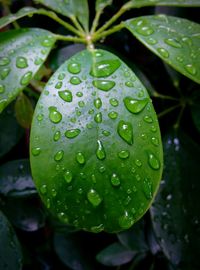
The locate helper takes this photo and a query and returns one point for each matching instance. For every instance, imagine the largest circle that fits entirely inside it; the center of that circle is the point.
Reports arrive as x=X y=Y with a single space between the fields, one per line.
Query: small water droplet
x=54 y=115
x=134 y=105
x=59 y=155
x=43 y=189
x=126 y=221
x=138 y=162
x=61 y=76
x=38 y=61
x=163 y=52
x=58 y=85
x=2 y=89
x=105 y=68
x=155 y=141
x=153 y=162
x=68 y=176
x=114 y=102
x=102 y=169
x=148 y=119
x=57 y=136
x=125 y=131
x=98 y=118
x=21 y=62
x=98 y=103
x=129 y=84
x=26 y=78
x=74 y=68
x=4 y=73
x=40 y=117
x=103 y=85
x=66 y=95
x=143 y=29
x=173 y=42
x=113 y=115
x=47 y=42
x=94 y=198
x=80 y=158
x=190 y=69
x=115 y=180
x=48 y=203
x=75 y=80
x=79 y=94
x=4 y=61
x=53 y=192
x=81 y=104
x=36 y=151
x=124 y=154
x=147 y=187
x=72 y=133
x=101 y=154
x=151 y=41
x=106 y=133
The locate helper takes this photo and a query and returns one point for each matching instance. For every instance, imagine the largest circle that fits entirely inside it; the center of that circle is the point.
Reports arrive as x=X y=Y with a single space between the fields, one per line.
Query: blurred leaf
x=195 y=110
x=15 y=179
x=174 y=40
x=22 y=52
x=115 y=254
x=175 y=212
x=10 y=250
x=182 y=3
x=24 y=110
x=152 y=241
x=71 y=251
x=10 y=131
x=101 y=4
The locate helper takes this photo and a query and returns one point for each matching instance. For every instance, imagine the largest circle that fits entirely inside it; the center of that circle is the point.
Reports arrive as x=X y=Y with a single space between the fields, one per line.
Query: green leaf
x=175 y=212
x=10 y=132
x=115 y=255
x=96 y=115
x=101 y=4
x=10 y=250
x=22 y=52
x=70 y=8
x=15 y=179
x=180 y=3
x=174 y=40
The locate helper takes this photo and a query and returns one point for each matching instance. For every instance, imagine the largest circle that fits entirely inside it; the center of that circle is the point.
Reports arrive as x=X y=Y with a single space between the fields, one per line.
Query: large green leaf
x=77 y=8
x=101 y=4
x=22 y=52
x=95 y=141
x=10 y=250
x=176 y=209
x=180 y=3
x=175 y=40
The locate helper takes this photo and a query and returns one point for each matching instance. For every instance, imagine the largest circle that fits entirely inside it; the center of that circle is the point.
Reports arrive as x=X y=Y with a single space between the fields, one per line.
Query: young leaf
x=115 y=255
x=179 y=3
x=71 y=8
x=101 y=4
x=175 y=219
x=87 y=131
x=174 y=40
x=10 y=250
x=22 y=52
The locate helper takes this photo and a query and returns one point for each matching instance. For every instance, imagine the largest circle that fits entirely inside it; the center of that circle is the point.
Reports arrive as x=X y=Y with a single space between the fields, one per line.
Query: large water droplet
x=36 y=151
x=26 y=78
x=57 y=136
x=163 y=52
x=153 y=162
x=114 y=102
x=125 y=131
x=113 y=115
x=74 y=68
x=66 y=95
x=21 y=62
x=98 y=103
x=54 y=115
x=173 y=42
x=190 y=69
x=75 y=80
x=105 y=68
x=4 y=73
x=147 y=187
x=101 y=154
x=4 y=61
x=94 y=198
x=124 y=154
x=103 y=85
x=80 y=158
x=134 y=105
x=98 y=118
x=59 y=155
x=68 y=176
x=126 y=221
x=115 y=180
x=72 y=133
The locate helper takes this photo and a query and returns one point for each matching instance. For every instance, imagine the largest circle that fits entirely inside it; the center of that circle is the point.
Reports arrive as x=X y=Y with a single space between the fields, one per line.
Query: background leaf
x=174 y=40
x=10 y=250
x=182 y=3
x=101 y=4
x=22 y=52
x=195 y=110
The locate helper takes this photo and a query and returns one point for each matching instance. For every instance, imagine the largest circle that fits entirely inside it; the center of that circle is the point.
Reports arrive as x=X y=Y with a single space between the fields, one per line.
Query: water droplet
x=98 y=103
x=143 y=29
x=36 y=151
x=54 y=115
x=148 y=119
x=190 y=69
x=125 y=131
x=129 y=84
x=98 y=118
x=53 y=192
x=79 y=94
x=101 y=154
x=134 y=105
x=4 y=73
x=26 y=78
x=97 y=229
x=187 y=40
x=74 y=68
x=66 y=95
x=75 y=80
x=43 y=189
x=81 y=104
x=57 y=136
x=61 y=76
x=147 y=187
x=2 y=89
x=153 y=162
x=4 y=61
x=72 y=133
x=153 y=128
x=115 y=181
x=94 y=198
x=114 y=102
x=123 y=154
x=105 y=68
x=138 y=163
x=164 y=53
x=172 y=42
x=151 y=41
x=59 y=155
x=68 y=176
x=126 y=221
x=104 y=85
x=38 y=61
x=47 y=42
x=102 y=169
x=80 y=158
x=58 y=85
x=113 y=115
x=21 y=62
x=106 y=133
x=155 y=141
x=48 y=203
x=40 y=117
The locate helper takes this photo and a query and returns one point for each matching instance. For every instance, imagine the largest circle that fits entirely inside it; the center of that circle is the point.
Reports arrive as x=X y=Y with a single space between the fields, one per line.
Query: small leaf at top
x=175 y=40
x=22 y=52
x=180 y=3
x=101 y=4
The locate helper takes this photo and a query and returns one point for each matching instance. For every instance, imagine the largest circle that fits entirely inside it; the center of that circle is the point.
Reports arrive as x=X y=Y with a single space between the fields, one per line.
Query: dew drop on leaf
x=147 y=187
x=155 y=141
x=103 y=85
x=57 y=136
x=58 y=85
x=26 y=78
x=94 y=198
x=80 y=158
x=2 y=89
x=43 y=189
x=97 y=103
x=54 y=115
x=125 y=131
x=163 y=52
x=173 y=42
x=21 y=62
x=148 y=119
x=66 y=95
x=98 y=118
x=114 y=102
x=4 y=61
x=115 y=180
x=124 y=154
x=36 y=151
x=68 y=176
x=4 y=73
x=72 y=133
x=75 y=80
x=59 y=155
x=105 y=68
x=101 y=154
x=190 y=69
x=74 y=68
x=126 y=221
x=153 y=162
x=134 y=105
x=112 y=115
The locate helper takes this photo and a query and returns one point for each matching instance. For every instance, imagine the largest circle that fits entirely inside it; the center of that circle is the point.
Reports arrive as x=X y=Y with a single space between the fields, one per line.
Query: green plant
x=95 y=145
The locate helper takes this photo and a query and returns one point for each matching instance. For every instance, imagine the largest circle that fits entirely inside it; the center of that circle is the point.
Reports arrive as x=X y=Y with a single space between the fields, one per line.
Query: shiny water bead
x=105 y=68
x=4 y=61
x=114 y=102
x=4 y=73
x=68 y=176
x=134 y=105
x=126 y=220
x=153 y=162
x=112 y=115
x=75 y=80
x=124 y=154
x=57 y=136
x=59 y=155
x=115 y=180
x=125 y=131
x=74 y=68
x=94 y=198
x=43 y=189
x=101 y=154
x=58 y=85
x=72 y=133
x=26 y=78
x=36 y=151
x=98 y=118
x=21 y=62
x=80 y=158
x=54 y=115
x=66 y=95
x=97 y=103
x=104 y=85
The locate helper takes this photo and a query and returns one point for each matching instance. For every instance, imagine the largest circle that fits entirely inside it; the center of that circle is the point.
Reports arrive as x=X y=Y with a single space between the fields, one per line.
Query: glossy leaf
x=174 y=40
x=101 y=4
x=15 y=179
x=175 y=212
x=96 y=115
x=10 y=132
x=22 y=52
x=10 y=250
x=179 y=3
x=115 y=255
x=77 y=8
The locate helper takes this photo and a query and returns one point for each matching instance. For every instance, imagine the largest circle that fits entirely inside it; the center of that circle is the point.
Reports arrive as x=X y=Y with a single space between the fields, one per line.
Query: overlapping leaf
x=180 y=3
x=101 y=4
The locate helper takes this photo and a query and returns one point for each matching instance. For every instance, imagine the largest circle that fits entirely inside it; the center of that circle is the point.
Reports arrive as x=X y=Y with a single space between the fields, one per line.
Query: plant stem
x=114 y=29
x=77 y=24
x=177 y=124
x=168 y=110
x=70 y=38
x=158 y=95
x=96 y=21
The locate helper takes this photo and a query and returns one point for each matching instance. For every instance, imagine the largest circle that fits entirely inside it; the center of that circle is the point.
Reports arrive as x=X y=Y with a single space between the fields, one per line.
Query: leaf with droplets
x=22 y=52
x=10 y=250
x=101 y=4
x=175 y=219
x=70 y=8
x=174 y=40
x=176 y=3
x=89 y=145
